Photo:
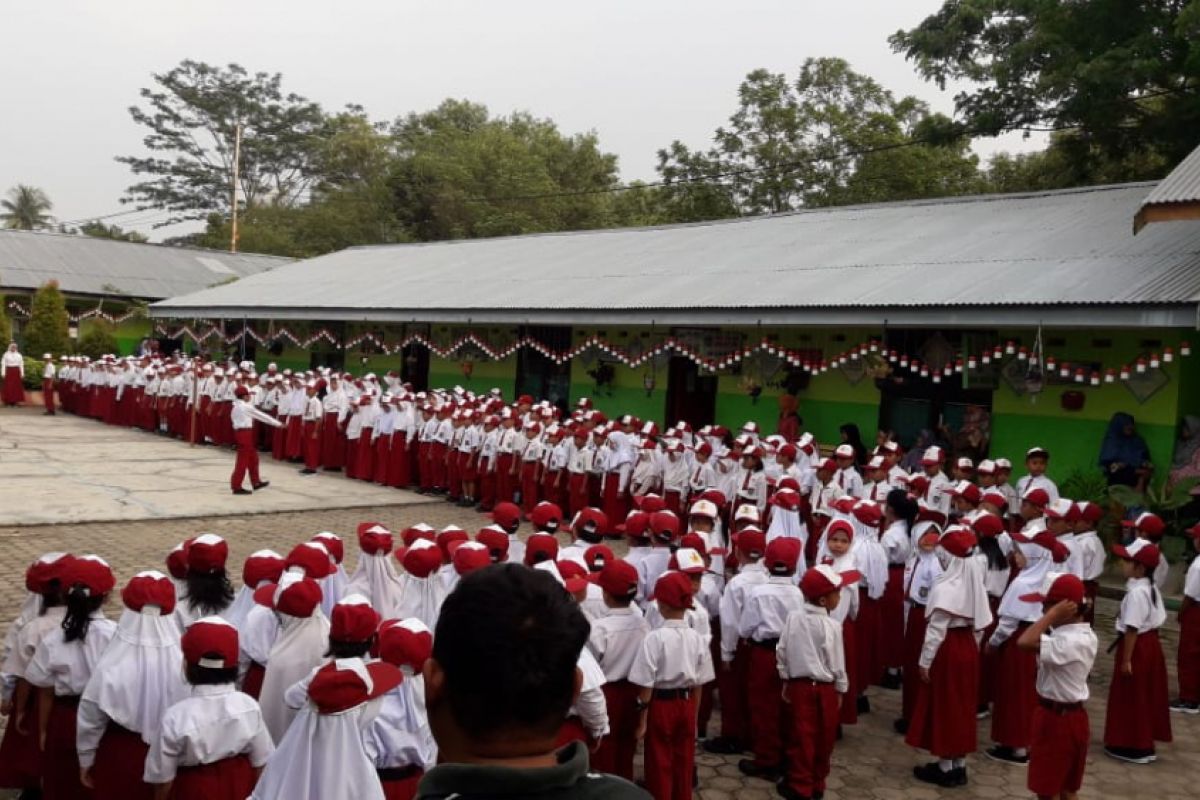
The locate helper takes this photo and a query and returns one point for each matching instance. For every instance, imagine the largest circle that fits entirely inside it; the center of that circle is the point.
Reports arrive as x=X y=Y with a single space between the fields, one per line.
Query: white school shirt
x=702 y=478
x=696 y=618
x=1074 y=562
x=995 y=581
x=650 y=568
x=849 y=481
x=896 y=544
x=675 y=476
x=48 y=371
x=937 y=494
x=313 y=410
x=1142 y=609
x=822 y=495
x=751 y=487
x=67 y=666
x=1160 y=572
x=811 y=646
x=400 y=735
x=1091 y=555
x=242 y=416
x=1065 y=658
x=767 y=607
x=27 y=639
x=215 y=723
x=1037 y=482
x=14 y=360
x=733 y=601
x=471 y=437
x=1191 y=581
x=939 y=624
x=581 y=459
x=615 y=641
x=444 y=432
x=355 y=425
x=385 y=424
x=672 y=657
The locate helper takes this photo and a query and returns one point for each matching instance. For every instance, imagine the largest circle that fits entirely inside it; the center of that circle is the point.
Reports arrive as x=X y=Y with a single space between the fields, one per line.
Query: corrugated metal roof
x=87 y=265
x=1071 y=246
x=1181 y=186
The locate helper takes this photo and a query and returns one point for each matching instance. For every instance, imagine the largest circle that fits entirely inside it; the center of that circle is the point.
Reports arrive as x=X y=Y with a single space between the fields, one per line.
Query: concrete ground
x=871 y=761
x=66 y=469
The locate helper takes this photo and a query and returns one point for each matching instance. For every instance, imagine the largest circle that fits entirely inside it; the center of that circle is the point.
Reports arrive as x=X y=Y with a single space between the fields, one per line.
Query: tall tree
x=46 y=331
x=192 y=116
x=460 y=173
x=27 y=208
x=99 y=230
x=831 y=136
x=1124 y=75
x=5 y=323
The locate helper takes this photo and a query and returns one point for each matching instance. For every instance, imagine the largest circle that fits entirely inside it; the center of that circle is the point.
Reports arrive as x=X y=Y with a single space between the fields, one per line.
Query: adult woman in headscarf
x=1124 y=456
x=14 y=372
x=1186 y=463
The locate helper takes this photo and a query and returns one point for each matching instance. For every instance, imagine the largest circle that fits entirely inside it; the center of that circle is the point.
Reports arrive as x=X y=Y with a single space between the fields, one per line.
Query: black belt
x=896 y=566
x=672 y=694
x=1057 y=707
x=398 y=773
x=764 y=643
x=67 y=699
x=809 y=681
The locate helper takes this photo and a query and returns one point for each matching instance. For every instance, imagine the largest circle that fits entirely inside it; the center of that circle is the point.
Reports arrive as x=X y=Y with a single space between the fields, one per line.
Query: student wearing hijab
x=1124 y=456
x=133 y=683
x=208 y=591
x=943 y=720
x=333 y=586
x=259 y=569
x=61 y=667
x=399 y=741
x=423 y=591
x=300 y=646
x=375 y=575
x=211 y=744
x=920 y=573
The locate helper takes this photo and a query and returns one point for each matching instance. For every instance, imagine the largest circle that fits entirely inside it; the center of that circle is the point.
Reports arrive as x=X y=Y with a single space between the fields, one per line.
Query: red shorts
x=1058 y=751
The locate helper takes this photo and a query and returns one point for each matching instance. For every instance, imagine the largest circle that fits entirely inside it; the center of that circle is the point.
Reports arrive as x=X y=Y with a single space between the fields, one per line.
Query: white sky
x=639 y=73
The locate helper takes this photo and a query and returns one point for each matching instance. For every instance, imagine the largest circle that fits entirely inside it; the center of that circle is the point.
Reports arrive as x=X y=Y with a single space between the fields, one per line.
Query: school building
x=1044 y=309
x=113 y=281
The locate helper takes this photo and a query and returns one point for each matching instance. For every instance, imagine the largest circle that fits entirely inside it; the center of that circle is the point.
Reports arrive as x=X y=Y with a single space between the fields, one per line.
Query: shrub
x=46 y=331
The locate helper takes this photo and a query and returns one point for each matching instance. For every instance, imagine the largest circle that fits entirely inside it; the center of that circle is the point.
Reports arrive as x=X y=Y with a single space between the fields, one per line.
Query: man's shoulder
x=599 y=785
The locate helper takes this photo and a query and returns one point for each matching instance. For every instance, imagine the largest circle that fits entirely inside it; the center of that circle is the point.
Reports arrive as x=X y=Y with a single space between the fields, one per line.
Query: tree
x=99 y=230
x=459 y=173
x=1068 y=161
x=27 y=208
x=46 y=331
x=192 y=118
x=5 y=324
x=1125 y=76
x=97 y=340
x=833 y=136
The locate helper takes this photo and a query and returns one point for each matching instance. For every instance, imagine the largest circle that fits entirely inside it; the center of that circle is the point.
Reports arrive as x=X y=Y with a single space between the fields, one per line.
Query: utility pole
x=233 y=185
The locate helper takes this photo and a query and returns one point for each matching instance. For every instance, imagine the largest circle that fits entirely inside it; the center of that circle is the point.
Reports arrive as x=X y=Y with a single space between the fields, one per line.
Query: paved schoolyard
x=871 y=761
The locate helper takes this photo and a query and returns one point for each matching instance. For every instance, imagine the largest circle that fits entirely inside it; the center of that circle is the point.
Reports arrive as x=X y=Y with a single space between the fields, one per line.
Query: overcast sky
x=640 y=73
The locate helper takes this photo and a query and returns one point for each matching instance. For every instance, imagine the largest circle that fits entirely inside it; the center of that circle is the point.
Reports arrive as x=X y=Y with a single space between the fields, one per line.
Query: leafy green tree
x=97 y=340
x=460 y=173
x=192 y=116
x=46 y=331
x=830 y=137
x=27 y=208
x=99 y=230
x=5 y=323
x=1125 y=75
x=1069 y=161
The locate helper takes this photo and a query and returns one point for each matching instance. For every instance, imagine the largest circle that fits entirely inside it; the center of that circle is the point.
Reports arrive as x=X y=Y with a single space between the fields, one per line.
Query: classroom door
x=690 y=395
x=540 y=376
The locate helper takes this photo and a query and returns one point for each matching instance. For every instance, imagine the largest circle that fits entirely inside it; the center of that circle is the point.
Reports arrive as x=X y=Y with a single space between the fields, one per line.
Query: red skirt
x=572 y=730
x=943 y=718
x=529 y=486
x=1138 y=712
x=987 y=661
x=120 y=760
x=60 y=761
x=577 y=493
x=398 y=474
x=14 y=391
x=849 y=714
x=1189 y=655
x=252 y=683
x=20 y=756
x=228 y=779
x=1014 y=693
x=914 y=640
x=383 y=457
x=891 y=620
x=401 y=788
x=1058 y=751
x=364 y=467
x=614 y=502
x=294 y=447
x=867 y=633
x=468 y=467
x=333 y=443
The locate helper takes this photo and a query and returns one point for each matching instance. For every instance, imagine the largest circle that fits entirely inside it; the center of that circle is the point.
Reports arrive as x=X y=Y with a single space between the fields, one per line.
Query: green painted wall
x=485 y=375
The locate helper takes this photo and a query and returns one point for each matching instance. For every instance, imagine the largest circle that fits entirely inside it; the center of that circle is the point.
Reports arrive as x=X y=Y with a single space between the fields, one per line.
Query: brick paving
x=870 y=762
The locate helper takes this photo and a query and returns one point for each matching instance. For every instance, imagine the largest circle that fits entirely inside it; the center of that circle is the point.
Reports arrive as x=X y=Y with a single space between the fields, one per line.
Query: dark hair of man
x=210 y=676
x=508 y=639
x=349 y=649
x=80 y=607
x=209 y=592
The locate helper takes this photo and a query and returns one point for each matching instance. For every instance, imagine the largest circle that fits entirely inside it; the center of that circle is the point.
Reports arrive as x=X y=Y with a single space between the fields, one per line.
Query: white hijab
x=257 y=634
x=140 y=674
x=376 y=579
x=870 y=557
x=920 y=574
x=400 y=735
x=422 y=598
x=300 y=647
x=960 y=591
x=1038 y=562
x=788 y=525
x=322 y=757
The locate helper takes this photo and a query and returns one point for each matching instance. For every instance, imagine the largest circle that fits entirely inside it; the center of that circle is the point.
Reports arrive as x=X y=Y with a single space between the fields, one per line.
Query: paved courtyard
x=871 y=762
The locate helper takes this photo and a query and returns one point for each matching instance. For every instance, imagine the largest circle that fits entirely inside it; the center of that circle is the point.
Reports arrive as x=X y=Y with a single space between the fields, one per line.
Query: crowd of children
x=759 y=576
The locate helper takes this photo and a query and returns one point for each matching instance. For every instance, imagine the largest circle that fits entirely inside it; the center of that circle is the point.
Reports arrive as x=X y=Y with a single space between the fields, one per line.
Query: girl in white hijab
x=133 y=683
x=333 y=587
x=375 y=577
x=943 y=720
x=260 y=568
x=300 y=647
x=424 y=590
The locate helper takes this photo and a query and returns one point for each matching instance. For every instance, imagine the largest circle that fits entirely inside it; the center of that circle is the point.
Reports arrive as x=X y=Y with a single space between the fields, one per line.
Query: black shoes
x=724 y=746
x=864 y=704
x=307 y=471
x=900 y=726
x=947 y=779
x=788 y=793
x=1006 y=754
x=240 y=490
x=263 y=485
x=891 y=680
x=767 y=773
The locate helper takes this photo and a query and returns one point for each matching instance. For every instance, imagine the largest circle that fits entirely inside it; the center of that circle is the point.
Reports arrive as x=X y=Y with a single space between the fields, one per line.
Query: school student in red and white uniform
x=41 y=613
x=943 y=720
x=299 y=647
x=132 y=684
x=207 y=590
x=899 y=515
x=1037 y=459
x=1091 y=552
x=672 y=664
x=211 y=744
x=1066 y=650
x=242 y=416
x=763 y=616
x=812 y=666
x=1138 y=714
x=676 y=470
x=615 y=641
x=1151 y=527
x=61 y=667
x=1188 y=664
x=399 y=741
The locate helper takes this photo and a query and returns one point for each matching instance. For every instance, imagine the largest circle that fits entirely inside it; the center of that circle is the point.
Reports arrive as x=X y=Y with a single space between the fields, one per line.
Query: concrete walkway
x=65 y=469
